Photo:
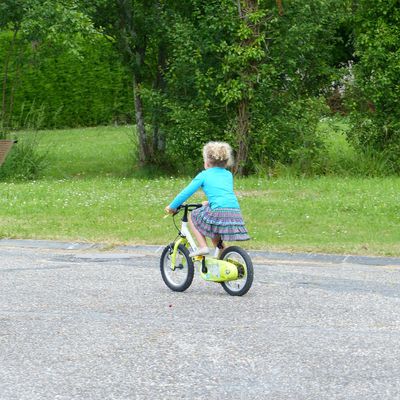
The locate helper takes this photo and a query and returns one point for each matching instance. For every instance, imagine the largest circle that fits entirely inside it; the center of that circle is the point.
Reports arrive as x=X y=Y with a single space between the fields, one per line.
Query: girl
x=220 y=217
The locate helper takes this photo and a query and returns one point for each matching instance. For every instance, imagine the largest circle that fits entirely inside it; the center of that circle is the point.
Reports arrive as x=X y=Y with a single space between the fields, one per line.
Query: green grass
x=90 y=193
x=338 y=215
x=88 y=152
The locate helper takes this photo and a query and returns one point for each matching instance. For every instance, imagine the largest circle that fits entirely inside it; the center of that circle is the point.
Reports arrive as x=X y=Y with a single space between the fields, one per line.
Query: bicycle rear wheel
x=236 y=255
x=181 y=277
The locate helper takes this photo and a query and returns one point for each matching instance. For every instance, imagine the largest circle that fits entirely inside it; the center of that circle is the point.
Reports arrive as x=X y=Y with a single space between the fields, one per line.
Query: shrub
x=374 y=96
x=289 y=136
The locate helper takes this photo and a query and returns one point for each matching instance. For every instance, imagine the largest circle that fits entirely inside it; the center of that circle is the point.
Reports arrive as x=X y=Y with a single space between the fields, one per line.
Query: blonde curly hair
x=218 y=154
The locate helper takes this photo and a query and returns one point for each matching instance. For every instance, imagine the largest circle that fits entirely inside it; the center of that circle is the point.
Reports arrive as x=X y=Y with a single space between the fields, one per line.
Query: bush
x=290 y=136
x=374 y=96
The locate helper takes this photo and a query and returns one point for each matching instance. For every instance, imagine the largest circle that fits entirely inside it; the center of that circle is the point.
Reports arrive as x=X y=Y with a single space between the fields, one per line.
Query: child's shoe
x=202 y=251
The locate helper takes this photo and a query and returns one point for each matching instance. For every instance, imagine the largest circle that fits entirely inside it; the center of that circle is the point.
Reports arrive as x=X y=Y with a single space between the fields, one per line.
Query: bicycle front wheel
x=179 y=278
x=240 y=286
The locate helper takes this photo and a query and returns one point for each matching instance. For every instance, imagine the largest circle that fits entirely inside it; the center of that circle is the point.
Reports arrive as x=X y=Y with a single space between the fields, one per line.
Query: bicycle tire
x=181 y=278
x=240 y=257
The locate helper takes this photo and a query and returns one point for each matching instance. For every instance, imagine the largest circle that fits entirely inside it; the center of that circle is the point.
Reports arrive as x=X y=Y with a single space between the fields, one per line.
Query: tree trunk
x=159 y=85
x=245 y=8
x=280 y=7
x=133 y=49
x=243 y=129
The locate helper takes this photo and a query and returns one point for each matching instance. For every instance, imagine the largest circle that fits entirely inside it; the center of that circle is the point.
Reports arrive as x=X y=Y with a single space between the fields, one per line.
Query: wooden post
x=5 y=147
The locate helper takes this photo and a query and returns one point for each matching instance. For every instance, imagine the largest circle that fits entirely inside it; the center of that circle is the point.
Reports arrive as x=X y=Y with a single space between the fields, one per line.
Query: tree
x=242 y=71
x=247 y=71
x=134 y=27
x=242 y=60
x=374 y=94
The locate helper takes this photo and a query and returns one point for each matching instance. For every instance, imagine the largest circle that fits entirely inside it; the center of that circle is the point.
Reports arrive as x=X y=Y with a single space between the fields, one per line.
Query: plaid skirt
x=226 y=223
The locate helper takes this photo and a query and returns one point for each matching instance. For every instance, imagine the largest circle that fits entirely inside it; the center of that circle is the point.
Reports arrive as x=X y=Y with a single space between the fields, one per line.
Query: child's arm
x=187 y=192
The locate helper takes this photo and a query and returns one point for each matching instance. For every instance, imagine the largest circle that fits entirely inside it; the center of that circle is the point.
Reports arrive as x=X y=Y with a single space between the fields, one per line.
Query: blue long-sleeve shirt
x=217 y=184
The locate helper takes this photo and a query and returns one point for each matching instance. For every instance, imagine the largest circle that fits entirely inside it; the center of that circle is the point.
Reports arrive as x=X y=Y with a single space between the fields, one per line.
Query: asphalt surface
x=79 y=322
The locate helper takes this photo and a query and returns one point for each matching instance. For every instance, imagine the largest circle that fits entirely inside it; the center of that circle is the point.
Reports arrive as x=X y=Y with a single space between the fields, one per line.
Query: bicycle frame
x=185 y=234
x=186 y=239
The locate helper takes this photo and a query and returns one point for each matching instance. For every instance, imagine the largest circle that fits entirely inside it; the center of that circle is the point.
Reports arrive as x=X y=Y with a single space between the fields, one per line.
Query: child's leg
x=216 y=241
x=219 y=246
x=201 y=240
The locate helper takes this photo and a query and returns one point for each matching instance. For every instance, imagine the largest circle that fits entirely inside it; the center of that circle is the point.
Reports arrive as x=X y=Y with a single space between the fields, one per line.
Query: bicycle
x=231 y=266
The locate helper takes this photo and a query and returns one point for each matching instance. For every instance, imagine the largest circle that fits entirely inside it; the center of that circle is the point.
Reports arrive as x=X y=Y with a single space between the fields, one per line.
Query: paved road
x=81 y=324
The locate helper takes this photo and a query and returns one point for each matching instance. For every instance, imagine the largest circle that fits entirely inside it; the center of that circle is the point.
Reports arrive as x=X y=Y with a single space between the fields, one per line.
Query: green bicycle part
x=241 y=268
x=219 y=270
x=175 y=251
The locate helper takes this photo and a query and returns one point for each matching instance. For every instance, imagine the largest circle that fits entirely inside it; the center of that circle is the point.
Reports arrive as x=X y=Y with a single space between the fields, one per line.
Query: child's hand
x=169 y=210
x=205 y=203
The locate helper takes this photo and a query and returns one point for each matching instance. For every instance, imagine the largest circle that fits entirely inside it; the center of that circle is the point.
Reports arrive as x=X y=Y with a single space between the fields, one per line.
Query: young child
x=220 y=217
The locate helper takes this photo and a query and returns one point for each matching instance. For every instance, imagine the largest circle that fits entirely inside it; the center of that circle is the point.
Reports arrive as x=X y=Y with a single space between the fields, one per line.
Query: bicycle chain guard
x=215 y=270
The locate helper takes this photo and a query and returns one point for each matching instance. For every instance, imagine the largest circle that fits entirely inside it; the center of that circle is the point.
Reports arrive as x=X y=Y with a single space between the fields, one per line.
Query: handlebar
x=188 y=207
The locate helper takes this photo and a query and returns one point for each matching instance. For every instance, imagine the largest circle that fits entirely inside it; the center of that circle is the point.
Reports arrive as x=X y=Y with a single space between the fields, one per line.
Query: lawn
x=88 y=152
x=90 y=193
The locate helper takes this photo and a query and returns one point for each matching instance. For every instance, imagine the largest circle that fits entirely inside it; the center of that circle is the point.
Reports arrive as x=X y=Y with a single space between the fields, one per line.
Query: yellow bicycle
x=231 y=266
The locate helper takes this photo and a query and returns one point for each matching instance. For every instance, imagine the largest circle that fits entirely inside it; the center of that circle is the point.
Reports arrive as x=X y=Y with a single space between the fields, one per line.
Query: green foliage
x=52 y=88
x=56 y=22
x=289 y=136
x=374 y=97
x=302 y=47
x=193 y=113
x=242 y=55
x=281 y=69
x=46 y=20
x=137 y=30
x=196 y=65
x=11 y=12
